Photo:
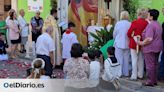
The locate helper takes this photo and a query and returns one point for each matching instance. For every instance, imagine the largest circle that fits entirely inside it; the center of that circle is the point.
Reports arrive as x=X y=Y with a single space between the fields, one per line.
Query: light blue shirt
x=120 y=34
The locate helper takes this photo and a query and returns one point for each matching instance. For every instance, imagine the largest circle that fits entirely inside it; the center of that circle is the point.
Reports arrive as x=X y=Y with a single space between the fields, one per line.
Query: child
x=3 y=54
x=112 y=68
x=68 y=39
x=38 y=71
x=94 y=66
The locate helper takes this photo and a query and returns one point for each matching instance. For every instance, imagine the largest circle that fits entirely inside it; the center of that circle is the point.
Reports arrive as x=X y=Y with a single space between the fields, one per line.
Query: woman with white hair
x=134 y=34
x=121 y=42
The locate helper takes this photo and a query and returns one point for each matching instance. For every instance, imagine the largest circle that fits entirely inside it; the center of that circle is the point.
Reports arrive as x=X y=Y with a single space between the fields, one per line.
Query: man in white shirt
x=24 y=27
x=44 y=49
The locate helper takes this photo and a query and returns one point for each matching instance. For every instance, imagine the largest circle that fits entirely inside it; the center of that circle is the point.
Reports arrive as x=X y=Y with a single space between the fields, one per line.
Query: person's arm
x=74 y=39
x=41 y=22
x=51 y=51
x=52 y=57
x=131 y=30
x=147 y=41
x=149 y=34
x=21 y=23
x=33 y=25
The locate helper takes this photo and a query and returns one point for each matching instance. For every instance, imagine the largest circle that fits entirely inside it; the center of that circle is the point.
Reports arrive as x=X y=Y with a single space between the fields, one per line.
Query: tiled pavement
x=17 y=69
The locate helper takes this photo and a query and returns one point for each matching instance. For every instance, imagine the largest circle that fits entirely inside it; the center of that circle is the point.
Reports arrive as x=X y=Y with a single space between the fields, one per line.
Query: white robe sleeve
x=74 y=39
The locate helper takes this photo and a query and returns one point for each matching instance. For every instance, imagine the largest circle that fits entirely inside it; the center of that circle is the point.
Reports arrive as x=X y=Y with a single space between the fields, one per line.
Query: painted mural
x=80 y=12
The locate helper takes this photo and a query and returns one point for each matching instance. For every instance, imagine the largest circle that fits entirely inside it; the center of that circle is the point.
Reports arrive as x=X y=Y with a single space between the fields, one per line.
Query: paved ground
x=17 y=69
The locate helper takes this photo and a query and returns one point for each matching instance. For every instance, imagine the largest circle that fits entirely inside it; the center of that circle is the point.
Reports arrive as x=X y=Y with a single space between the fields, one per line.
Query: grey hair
x=143 y=13
x=124 y=15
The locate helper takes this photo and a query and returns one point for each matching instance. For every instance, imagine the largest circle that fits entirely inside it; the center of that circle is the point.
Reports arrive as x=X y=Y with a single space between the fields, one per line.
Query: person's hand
x=140 y=43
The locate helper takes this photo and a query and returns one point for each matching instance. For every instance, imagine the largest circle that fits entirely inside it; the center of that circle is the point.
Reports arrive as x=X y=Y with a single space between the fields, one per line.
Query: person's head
x=92 y=22
x=142 y=13
x=153 y=14
x=124 y=15
x=76 y=50
x=71 y=25
x=92 y=55
x=37 y=15
x=13 y=15
x=53 y=12
x=49 y=30
x=37 y=68
x=110 y=50
x=10 y=11
x=22 y=13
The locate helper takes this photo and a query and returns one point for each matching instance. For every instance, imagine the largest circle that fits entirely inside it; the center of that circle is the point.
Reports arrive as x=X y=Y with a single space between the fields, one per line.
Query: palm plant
x=101 y=38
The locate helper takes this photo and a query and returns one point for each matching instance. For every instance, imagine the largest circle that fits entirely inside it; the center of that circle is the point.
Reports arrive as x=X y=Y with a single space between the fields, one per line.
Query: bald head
x=49 y=29
x=22 y=13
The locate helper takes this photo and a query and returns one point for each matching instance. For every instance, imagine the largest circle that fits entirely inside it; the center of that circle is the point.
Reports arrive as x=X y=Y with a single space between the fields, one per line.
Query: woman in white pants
x=121 y=41
x=134 y=34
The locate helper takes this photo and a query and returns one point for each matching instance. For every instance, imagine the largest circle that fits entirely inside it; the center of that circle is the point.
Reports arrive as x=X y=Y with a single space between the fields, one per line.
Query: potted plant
x=101 y=38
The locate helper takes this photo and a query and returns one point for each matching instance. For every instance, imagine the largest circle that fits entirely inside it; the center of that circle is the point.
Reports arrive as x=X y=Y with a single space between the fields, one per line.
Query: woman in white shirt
x=121 y=42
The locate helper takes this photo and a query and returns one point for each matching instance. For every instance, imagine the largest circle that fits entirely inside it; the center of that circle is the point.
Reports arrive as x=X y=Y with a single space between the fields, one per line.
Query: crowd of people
x=137 y=44
x=141 y=43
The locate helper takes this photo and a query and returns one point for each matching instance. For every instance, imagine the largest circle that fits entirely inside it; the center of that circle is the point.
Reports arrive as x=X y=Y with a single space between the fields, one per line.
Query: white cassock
x=67 y=41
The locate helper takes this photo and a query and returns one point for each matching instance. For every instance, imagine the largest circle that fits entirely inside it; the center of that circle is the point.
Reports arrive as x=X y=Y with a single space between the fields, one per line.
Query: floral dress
x=76 y=68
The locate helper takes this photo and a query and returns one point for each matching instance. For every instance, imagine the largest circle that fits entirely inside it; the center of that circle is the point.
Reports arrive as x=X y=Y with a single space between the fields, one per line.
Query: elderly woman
x=121 y=42
x=134 y=34
x=76 y=67
x=152 y=45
